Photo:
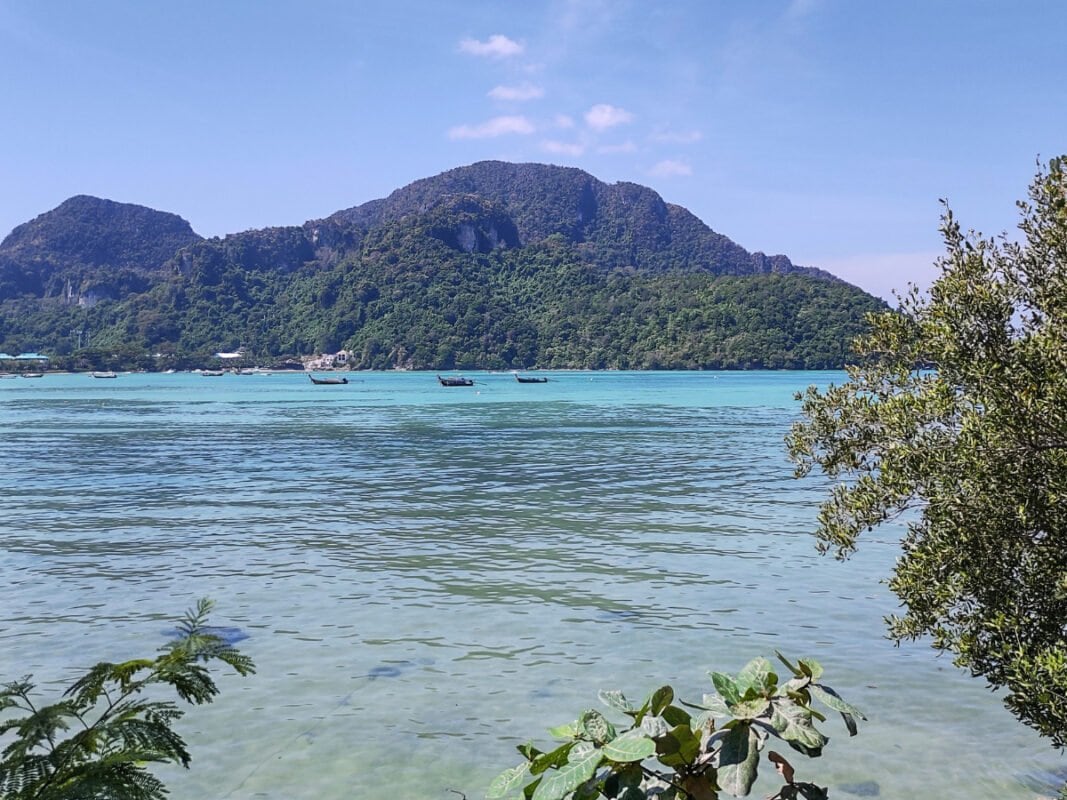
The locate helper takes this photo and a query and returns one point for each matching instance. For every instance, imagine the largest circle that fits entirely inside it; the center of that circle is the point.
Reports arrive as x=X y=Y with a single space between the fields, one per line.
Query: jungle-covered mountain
x=492 y=265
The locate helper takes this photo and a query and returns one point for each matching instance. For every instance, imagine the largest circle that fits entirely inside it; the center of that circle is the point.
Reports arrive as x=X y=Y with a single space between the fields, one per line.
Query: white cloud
x=497 y=126
x=669 y=168
x=563 y=121
x=623 y=147
x=496 y=46
x=665 y=136
x=526 y=91
x=603 y=116
x=563 y=148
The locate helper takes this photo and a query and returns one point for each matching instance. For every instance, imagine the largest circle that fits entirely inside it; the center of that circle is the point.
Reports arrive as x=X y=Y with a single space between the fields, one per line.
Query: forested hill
x=86 y=237
x=492 y=265
x=612 y=225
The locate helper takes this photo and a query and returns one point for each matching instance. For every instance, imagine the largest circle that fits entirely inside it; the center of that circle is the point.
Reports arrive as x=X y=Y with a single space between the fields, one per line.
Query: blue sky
x=826 y=130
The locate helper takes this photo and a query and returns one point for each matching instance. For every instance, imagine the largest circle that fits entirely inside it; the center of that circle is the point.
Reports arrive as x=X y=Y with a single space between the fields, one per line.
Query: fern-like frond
x=95 y=743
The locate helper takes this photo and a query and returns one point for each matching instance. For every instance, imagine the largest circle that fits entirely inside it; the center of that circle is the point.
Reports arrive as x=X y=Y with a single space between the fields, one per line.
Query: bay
x=428 y=576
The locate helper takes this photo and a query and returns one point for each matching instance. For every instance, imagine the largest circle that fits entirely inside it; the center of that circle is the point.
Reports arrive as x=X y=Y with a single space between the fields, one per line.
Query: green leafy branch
x=97 y=740
x=671 y=754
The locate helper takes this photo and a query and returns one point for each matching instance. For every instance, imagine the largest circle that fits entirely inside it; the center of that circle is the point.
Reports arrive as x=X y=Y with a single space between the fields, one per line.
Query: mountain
x=60 y=249
x=621 y=225
x=489 y=265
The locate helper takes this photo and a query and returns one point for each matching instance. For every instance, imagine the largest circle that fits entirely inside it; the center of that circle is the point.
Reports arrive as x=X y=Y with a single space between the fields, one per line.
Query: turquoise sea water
x=428 y=576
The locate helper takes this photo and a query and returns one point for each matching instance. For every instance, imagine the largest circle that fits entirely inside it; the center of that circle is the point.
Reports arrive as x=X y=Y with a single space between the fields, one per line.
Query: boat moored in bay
x=455 y=381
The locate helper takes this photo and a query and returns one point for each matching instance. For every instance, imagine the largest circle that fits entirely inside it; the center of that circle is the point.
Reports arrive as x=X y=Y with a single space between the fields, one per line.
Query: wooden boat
x=530 y=379
x=328 y=381
x=458 y=381
x=105 y=374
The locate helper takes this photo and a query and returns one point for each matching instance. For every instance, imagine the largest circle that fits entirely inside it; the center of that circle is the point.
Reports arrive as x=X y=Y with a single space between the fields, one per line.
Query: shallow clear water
x=428 y=576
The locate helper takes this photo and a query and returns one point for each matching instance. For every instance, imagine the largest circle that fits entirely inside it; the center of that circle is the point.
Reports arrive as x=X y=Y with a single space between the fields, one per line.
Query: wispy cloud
x=670 y=168
x=665 y=136
x=526 y=91
x=573 y=149
x=497 y=126
x=496 y=46
x=563 y=121
x=603 y=116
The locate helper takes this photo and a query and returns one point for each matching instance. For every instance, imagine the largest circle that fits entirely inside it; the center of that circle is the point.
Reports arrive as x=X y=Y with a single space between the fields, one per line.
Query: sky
x=825 y=130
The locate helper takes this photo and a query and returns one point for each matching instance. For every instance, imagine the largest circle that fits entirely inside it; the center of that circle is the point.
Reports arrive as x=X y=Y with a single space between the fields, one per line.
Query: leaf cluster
x=674 y=750
x=100 y=737
x=956 y=415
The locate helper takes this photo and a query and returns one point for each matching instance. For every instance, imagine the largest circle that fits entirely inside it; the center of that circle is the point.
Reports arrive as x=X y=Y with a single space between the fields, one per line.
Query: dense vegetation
x=668 y=753
x=959 y=411
x=488 y=266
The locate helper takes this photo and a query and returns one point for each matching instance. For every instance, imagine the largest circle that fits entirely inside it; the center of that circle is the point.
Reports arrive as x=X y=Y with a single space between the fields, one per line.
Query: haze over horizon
x=820 y=129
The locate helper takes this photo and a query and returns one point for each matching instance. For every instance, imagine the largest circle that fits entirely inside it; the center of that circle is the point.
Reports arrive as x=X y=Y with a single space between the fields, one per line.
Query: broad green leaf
x=507 y=782
x=811 y=668
x=738 y=761
x=676 y=716
x=794 y=685
x=580 y=750
x=828 y=697
x=716 y=705
x=655 y=726
x=568 y=731
x=556 y=758
x=680 y=747
x=750 y=709
x=757 y=674
x=557 y=784
x=726 y=687
x=597 y=727
x=794 y=724
x=660 y=699
x=631 y=746
x=615 y=699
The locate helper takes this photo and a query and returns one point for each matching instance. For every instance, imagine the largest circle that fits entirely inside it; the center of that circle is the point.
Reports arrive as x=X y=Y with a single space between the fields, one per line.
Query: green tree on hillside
x=958 y=413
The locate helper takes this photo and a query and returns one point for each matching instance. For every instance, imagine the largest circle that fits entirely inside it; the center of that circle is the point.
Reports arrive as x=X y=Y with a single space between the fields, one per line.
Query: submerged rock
x=861 y=789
